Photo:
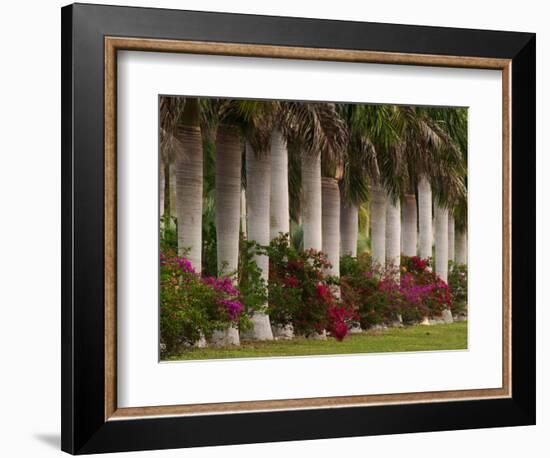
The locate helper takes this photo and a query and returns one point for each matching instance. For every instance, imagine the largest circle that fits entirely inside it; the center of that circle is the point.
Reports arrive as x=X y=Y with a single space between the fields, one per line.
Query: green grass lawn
x=413 y=338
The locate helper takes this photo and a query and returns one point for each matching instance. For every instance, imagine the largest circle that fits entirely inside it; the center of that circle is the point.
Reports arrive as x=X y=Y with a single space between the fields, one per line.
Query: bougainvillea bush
x=192 y=307
x=381 y=295
x=364 y=288
x=458 y=284
x=434 y=293
x=252 y=286
x=302 y=294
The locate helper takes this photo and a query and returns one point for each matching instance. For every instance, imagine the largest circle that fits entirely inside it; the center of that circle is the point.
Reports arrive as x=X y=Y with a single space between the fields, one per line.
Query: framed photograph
x=281 y=228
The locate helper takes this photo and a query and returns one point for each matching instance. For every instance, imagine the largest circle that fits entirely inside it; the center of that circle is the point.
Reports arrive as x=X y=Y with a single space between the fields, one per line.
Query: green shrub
x=192 y=307
x=168 y=234
x=364 y=289
x=458 y=284
x=252 y=286
x=379 y=295
x=300 y=292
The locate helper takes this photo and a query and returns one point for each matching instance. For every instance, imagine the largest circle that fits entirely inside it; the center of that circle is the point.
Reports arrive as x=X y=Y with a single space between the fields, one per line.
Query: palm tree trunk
x=410 y=238
x=161 y=188
x=393 y=234
x=311 y=202
x=451 y=237
x=243 y=214
x=378 y=225
x=461 y=247
x=228 y=206
x=349 y=227
x=442 y=249
x=425 y=218
x=258 y=178
x=172 y=189
x=331 y=222
x=279 y=210
x=441 y=241
x=188 y=171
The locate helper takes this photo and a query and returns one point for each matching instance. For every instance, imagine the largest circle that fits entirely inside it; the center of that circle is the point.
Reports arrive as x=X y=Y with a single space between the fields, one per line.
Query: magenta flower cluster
x=228 y=295
x=222 y=284
x=414 y=293
x=233 y=307
x=225 y=286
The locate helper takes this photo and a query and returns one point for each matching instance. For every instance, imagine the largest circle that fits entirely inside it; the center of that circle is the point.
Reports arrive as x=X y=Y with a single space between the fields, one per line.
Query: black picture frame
x=84 y=429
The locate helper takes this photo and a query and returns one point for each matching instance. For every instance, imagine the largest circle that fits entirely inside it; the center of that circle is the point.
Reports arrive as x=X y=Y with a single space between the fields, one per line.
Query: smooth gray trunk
x=311 y=202
x=258 y=179
x=425 y=218
x=243 y=213
x=441 y=241
x=393 y=233
x=349 y=228
x=442 y=249
x=173 y=189
x=331 y=222
x=279 y=210
x=409 y=230
x=161 y=188
x=451 y=237
x=228 y=206
x=188 y=171
x=461 y=247
x=377 y=212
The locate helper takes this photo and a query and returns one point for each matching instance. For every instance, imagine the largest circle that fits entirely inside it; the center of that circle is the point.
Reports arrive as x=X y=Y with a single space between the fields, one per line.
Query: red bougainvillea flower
x=291 y=281
x=295 y=265
x=322 y=290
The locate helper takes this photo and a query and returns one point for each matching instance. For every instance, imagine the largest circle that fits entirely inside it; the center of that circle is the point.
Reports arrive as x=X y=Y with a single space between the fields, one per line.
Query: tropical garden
x=301 y=228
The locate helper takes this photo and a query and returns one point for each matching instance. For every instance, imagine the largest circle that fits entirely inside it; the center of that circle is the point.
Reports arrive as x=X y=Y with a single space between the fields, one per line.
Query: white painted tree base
x=261 y=328
x=201 y=343
x=283 y=332
x=225 y=338
x=447 y=316
x=425 y=321
x=378 y=327
x=318 y=336
x=355 y=328
x=398 y=323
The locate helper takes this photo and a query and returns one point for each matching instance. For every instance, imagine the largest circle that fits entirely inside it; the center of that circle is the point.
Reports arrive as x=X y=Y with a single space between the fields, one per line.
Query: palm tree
x=170 y=147
x=441 y=249
x=349 y=227
x=441 y=241
x=410 y=222
x=311 y=202
x=234 y=118
x=314 y=133
x=461 y=247
x=189 y=182
x=451 y=237
x=279 y=207
x=449 y=179
x=425 y=240
x=393 y=232
x=461 y=226
x=450 y=175
x=333 y=153
x=228 y=196
x=360 y=169
x=420 y=143
x=258 y=188
x=429 y=157
x=331 y=222
x=370 y=131
x=377 y=210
